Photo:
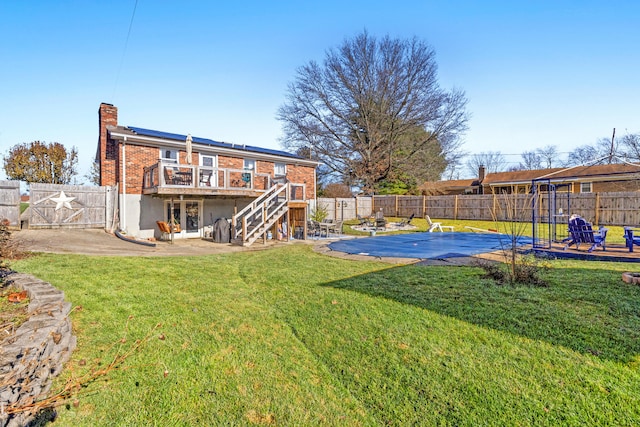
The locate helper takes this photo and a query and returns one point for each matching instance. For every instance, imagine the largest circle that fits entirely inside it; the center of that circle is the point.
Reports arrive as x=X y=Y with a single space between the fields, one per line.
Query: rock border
x=36 y=352
x=631 y=278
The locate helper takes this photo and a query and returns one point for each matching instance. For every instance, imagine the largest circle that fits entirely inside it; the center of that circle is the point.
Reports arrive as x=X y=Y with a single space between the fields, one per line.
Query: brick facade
x=303 y=175
x=137 y=158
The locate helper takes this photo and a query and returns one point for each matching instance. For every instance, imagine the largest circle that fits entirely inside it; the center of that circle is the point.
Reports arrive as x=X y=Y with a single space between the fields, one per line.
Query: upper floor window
x=249 y=164
x=170 y=156
x=585 y=187
x=279 y=169
x=209 y=161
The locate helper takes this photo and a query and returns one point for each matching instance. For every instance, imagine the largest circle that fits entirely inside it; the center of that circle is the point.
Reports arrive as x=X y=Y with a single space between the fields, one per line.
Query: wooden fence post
x=596 y=207
x=455 y=208
x=493 y=205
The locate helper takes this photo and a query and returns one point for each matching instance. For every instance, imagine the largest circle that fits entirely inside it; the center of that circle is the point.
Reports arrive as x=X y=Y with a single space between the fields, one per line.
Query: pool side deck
x=614 y=253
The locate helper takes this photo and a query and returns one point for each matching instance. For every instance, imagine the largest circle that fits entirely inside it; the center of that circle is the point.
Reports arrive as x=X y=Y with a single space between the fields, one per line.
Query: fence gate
x=67 y=206
x=10 y=202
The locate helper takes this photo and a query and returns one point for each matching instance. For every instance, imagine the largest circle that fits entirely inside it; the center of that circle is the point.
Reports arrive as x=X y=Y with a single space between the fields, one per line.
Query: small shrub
x=319 y=214
x=526 y=270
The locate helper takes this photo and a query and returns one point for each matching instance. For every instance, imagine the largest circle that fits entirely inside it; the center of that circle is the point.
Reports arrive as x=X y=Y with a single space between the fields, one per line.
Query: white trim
x=183 y=216
x=212 y=156
x=251 y=161
x=169 y=159
x=284 y=167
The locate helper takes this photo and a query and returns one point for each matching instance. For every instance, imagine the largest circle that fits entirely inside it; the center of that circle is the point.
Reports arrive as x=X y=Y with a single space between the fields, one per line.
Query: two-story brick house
x=191 y=182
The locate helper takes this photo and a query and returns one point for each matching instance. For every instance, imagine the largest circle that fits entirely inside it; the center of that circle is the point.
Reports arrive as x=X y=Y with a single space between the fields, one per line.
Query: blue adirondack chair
x=580 y=231
x=631 y=238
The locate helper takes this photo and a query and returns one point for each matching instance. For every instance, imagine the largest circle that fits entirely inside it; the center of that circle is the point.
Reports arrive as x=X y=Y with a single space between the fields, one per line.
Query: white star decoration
x=63 y=201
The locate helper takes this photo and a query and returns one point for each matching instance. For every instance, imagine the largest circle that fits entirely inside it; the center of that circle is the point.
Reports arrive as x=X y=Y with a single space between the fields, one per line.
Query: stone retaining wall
x=31 y=357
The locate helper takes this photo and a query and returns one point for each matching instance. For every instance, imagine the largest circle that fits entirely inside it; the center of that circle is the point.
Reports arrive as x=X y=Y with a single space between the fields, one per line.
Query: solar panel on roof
x=205 y=141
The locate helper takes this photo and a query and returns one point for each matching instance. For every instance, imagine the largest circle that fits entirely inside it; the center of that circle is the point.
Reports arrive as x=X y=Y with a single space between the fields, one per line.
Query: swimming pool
x=427 y=245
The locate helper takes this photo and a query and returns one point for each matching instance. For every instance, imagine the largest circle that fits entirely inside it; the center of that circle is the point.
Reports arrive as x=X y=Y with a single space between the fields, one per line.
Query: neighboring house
x=451 y=187
x=575 y=179
x=196 y=181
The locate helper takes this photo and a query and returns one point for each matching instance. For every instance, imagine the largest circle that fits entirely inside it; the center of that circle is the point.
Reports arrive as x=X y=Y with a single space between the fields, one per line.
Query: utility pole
x=611 y=149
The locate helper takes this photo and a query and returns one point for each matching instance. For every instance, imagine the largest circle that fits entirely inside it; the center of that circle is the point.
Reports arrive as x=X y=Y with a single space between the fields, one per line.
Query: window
x=208 y=161
x=249 y=164
x=279 y=169
x=169 y=156
x=585 y=187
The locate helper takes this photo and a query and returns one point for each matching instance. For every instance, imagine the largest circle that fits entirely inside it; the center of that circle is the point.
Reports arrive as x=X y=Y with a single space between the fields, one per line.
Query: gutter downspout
x=123 y=219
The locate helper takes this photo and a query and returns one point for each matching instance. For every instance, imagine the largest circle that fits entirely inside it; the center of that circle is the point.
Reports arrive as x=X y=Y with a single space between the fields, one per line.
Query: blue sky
x=536 y=73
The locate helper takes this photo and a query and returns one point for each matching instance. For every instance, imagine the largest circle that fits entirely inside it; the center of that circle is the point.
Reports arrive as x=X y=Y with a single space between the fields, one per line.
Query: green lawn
x=290 y=337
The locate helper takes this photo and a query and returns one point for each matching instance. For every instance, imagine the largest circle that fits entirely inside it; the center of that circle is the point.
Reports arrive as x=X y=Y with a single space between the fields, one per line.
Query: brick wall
x=137 y=158
x=613 y=186
x=265 y=167
x=230 y=162
x=303 y=175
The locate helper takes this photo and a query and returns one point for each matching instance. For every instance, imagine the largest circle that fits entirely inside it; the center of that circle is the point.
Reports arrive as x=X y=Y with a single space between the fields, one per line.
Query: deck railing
x=175 y=175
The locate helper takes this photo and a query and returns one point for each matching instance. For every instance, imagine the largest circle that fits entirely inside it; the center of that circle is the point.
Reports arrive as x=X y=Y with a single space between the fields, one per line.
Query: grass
x=290 y=337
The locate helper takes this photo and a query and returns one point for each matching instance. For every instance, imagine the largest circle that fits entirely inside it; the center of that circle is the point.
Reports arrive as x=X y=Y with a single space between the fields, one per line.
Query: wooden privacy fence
x=345 y=208
x=619 y=208
x=10 y=202
x=71 y=206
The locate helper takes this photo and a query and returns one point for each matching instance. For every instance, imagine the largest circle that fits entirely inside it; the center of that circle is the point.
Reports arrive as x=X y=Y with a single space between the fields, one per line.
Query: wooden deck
x=615 y=253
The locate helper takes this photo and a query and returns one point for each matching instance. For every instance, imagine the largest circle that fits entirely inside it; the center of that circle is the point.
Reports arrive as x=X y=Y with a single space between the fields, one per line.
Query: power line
x=124 y=51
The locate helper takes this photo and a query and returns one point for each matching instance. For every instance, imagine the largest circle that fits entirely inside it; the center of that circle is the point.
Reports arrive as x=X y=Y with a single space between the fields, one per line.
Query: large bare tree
x=355 y=110
x=493 y=161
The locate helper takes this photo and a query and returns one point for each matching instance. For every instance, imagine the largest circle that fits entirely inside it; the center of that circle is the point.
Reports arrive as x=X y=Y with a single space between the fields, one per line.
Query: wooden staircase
x=259 y=216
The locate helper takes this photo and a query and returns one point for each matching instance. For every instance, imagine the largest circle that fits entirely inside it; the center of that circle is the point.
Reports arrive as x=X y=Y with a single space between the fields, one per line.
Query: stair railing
x=248 y=224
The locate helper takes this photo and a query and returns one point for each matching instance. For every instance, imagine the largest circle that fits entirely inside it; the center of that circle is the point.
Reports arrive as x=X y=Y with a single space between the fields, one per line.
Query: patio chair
x=335 y=228
x=165 y=231
x=581 y=231
x=381 y=222
x=169 y=177
x=205 y=178
x=313 y=228
x=364 y=221
x=630 y=237
x=437 y=226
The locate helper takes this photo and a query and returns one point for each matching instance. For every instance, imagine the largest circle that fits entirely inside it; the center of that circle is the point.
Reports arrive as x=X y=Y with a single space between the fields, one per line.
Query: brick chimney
x=107 y=148
x=481 y=173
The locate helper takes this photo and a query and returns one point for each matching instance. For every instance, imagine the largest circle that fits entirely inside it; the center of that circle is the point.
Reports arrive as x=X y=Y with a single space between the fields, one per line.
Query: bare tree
x=493 y=161
x=582 y=155
x=548 y=156
x=603 y=151
x=630 y=146
x=531 y=160
x=355 y=108
x=455 y=165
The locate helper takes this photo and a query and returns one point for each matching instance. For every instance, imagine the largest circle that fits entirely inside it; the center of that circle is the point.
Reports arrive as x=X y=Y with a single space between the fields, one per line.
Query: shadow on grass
x=589 y=311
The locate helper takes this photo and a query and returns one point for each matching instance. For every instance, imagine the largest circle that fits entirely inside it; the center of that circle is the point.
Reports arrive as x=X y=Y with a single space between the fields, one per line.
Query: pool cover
x=427 y=245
